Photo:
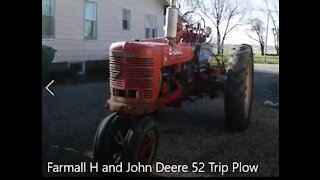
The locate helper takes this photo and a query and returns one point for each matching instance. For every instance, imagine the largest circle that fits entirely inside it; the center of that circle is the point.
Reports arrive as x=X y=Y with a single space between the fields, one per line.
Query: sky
x=239 y=34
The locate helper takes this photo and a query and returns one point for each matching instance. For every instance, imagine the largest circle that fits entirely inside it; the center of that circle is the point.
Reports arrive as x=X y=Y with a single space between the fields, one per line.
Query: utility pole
x=266 y=45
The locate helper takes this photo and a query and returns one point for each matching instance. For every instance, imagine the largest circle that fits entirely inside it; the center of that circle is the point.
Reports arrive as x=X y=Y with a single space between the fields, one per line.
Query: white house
x=83 y=30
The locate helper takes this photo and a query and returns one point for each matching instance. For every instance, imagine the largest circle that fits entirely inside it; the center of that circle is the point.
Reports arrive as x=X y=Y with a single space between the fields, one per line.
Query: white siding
x=69 y=27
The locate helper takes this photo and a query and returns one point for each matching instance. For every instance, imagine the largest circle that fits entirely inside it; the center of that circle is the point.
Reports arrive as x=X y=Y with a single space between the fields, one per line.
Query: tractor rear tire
x=238 y=91
x=142 y=142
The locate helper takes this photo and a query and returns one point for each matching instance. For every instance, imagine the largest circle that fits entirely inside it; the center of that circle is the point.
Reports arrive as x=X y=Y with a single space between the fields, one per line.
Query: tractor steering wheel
x=192 y=21
x=200 y=29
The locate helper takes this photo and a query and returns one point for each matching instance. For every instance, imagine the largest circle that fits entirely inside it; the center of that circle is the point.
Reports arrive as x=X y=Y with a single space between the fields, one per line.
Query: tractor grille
x=116 y=75
x=132 y=74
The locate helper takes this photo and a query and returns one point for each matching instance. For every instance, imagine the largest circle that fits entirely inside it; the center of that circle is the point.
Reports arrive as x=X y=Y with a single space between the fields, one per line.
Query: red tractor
x=147 y=75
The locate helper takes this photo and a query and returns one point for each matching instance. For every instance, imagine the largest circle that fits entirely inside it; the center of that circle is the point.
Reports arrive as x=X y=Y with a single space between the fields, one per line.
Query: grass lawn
x=258 y=59
x=270 y=59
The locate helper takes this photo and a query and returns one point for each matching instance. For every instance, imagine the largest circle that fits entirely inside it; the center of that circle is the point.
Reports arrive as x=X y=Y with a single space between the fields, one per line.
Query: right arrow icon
x=47 y=87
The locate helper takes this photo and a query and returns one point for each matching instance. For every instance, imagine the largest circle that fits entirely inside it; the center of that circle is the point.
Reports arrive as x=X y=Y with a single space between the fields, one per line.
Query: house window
x=151 y=26
x=90 y=20
x=126 y=19
x=47 y=18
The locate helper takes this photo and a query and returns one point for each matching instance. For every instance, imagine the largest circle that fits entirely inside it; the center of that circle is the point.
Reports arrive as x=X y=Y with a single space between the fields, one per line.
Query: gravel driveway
x=194 y=133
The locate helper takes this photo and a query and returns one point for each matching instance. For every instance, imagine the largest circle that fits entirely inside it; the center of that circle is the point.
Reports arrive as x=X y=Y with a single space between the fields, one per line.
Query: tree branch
x=216 y=11
x=252 y=38
x=204 y=12
x=227 y=31
x=179 y=6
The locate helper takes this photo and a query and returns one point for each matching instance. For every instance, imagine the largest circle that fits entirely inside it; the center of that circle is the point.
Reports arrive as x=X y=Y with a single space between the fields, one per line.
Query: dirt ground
x=194 y=133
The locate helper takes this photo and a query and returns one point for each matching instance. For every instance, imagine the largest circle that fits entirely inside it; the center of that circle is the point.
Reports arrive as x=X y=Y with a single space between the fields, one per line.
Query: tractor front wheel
x=239 y=85
x=121 y=139
x=143 y=140
x=109 y=142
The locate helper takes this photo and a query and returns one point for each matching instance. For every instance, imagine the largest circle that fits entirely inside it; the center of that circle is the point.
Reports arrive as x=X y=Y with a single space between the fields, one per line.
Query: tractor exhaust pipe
x=171 y=20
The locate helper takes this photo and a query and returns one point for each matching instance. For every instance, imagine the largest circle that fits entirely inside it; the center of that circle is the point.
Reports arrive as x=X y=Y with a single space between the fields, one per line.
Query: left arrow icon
x=47 y=87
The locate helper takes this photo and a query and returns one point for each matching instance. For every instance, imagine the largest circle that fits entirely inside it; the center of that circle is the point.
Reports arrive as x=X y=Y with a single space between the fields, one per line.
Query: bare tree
x=222 y=11
x=276 y=38
x=273 y=11
x=184 y=6
x=257 y=27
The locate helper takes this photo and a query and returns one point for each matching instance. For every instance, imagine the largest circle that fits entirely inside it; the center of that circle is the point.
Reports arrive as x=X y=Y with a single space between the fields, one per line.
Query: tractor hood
x=136 y=49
